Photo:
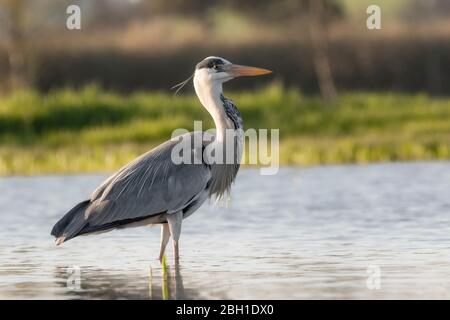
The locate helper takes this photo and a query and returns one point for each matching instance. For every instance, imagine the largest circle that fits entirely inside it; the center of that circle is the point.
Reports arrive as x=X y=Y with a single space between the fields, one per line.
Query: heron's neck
x=210 y=97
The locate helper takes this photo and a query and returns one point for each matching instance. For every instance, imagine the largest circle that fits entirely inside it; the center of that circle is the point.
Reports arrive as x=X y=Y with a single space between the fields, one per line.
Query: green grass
x=91 y=130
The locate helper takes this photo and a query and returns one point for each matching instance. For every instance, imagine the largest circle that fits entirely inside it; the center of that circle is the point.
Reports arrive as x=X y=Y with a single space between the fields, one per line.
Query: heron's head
x=216 y=70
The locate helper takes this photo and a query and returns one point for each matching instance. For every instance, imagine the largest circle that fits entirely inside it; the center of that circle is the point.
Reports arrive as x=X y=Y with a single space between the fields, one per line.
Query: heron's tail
x=69 y=225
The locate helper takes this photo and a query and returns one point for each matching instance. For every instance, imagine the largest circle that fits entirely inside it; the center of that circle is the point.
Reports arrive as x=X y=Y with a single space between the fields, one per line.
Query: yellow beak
x=237 y=70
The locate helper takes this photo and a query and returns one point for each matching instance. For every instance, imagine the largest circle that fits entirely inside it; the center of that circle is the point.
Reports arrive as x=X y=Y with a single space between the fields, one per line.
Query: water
x=321 y=232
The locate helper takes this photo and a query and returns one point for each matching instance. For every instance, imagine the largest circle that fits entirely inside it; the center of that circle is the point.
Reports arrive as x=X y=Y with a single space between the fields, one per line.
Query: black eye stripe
x=210 y=63
x=214 y=63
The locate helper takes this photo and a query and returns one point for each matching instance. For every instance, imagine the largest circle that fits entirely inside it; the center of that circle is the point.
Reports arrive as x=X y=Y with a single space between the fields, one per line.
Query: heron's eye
x=215 y=67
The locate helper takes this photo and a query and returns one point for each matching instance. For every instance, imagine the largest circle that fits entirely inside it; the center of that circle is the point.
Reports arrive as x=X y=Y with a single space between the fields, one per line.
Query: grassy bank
x=93 y=130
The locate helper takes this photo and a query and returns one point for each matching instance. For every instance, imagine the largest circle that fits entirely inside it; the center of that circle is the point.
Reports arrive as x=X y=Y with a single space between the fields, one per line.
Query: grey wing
x=150 y=185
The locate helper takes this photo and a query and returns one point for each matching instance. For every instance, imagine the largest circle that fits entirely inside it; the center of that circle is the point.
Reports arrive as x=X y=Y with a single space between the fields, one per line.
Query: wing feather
x=150 y=185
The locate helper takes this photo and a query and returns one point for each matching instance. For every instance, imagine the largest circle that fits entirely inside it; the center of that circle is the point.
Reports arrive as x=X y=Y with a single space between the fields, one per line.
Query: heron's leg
x=165 y=235
x=174 y=220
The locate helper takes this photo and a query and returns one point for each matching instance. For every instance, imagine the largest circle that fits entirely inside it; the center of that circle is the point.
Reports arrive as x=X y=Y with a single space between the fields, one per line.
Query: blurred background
x=88 y=101
x=339 y=93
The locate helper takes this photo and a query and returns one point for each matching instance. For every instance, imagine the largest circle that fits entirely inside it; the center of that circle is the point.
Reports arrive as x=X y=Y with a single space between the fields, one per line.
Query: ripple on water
x=304 y=233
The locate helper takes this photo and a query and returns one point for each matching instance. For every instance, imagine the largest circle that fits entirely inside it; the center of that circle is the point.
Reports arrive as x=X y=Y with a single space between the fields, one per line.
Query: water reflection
x=163 y=282
x=171 y=287
x=302 y=234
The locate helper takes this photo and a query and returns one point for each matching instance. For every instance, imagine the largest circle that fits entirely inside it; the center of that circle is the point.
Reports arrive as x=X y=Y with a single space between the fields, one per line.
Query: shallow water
x=321 y=232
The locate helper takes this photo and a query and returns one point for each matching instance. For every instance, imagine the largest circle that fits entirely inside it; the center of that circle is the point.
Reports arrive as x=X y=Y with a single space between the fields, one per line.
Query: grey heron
x=152 y=189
